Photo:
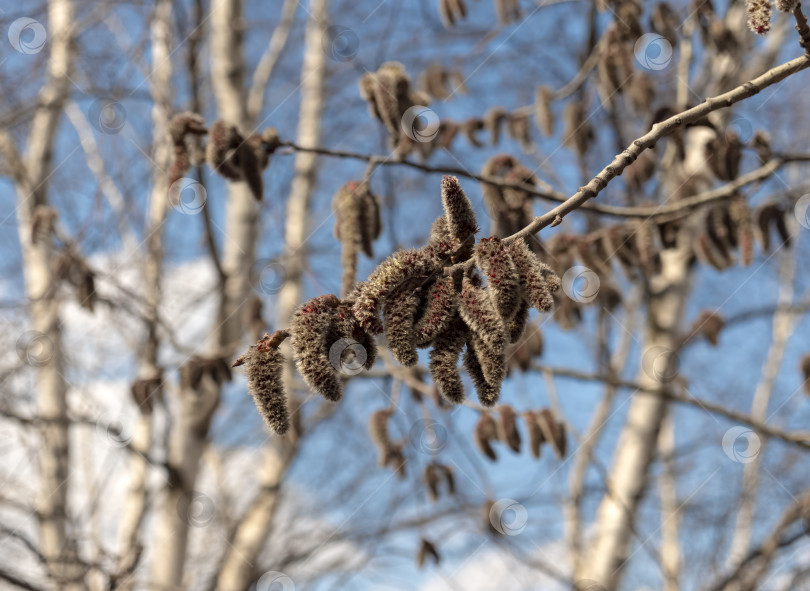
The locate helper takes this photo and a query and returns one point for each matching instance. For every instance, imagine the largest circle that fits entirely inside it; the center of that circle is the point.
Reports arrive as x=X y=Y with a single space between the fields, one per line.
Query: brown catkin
x=311 y=328
x=486 y=431
x=553 y=432
x=709 y=324
x=543 y=97
x=378 y=430
x=398 y=322
x=493 y=367
x=223 y=139
x=440 y=306
x=507 y=428
x=536 y=278
x=493 y=119
x=517 y=324
x=263 y=363
x=427 y=550
x=493 y=259
x=536 y=437
x=487 y=393
x=804 y=365
x=443 y=364
x=480 y=316
x=390 y=275
x=348 y=232
x=458 y=211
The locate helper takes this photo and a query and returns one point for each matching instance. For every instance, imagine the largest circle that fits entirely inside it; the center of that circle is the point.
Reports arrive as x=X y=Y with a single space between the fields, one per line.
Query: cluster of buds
x=237 y=158
x=510 y=209
x=389 y=95
x=542 y=426
x=357 y=225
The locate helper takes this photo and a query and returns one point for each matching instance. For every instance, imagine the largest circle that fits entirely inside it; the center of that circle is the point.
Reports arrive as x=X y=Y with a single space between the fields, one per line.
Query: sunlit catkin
x=263 y=363
x=759 y=16
x=310 y=330
x=479 y=314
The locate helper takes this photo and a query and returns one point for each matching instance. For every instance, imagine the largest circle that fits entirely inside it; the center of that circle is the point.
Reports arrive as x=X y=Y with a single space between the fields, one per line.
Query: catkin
x=536 y=278
x=443 y=364
x=507 y=428
x=398 y=322
x=441 y=306
x=759 y=16
x=487 y=393
x=389 y=276
x=479 y=314
x=503 y=282
x=310 y=330
x=264 y=363
x=486 y=431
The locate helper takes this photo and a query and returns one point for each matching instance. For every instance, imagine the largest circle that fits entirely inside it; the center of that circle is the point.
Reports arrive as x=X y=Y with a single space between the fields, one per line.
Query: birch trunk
x=783 y=325
x=54 y=457
x=160 y=90
x=238 y=569
x=670 y=547
x=636 y=447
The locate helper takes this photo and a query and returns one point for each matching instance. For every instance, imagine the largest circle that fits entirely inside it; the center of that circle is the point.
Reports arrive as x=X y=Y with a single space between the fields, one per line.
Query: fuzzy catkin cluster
x=389 y=95
x=357 y=225
x=424 y=307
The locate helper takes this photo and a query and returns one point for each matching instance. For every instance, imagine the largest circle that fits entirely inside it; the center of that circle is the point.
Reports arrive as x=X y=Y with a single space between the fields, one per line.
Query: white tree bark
x=783 y=325
x=238 y=567
x=637 y=443
x=44 y=305
x=670 y=547
x=160 y=89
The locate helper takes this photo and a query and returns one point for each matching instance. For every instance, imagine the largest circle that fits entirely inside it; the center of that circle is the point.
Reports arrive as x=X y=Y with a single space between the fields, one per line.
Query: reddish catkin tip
x=759 y=15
